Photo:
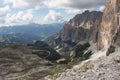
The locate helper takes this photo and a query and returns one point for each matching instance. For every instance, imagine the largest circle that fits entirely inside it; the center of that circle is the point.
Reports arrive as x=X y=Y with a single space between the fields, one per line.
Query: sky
x=21 y=12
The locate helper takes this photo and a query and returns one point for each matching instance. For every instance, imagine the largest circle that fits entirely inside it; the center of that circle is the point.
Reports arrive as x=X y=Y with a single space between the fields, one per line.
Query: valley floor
x=17 y=62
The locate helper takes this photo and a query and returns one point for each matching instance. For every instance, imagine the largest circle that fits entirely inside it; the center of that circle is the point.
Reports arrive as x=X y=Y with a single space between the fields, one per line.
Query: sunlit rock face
x=109 y=30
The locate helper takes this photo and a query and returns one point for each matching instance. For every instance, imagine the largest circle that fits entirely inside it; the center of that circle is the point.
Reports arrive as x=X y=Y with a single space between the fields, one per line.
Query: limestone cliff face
x=83 y=27
x=109 y=30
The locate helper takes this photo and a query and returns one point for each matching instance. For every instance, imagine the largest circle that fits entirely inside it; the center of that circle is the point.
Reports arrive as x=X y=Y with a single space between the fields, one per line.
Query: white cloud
x=23 y=3
x=17 y=3
x=55 y=3
x=76 y=4
x=38 y=7
x=74 y=11
x=20 y=18
x=101 y=8
x=53 y=17
x=4 y=10
x=26 y=16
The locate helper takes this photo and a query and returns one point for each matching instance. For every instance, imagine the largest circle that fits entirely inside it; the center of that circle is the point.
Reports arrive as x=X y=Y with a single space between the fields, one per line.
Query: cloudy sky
x=20 y=12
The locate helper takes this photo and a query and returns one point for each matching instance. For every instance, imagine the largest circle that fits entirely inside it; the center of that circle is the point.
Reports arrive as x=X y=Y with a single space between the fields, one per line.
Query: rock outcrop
x=83 y=27
x=109 y=32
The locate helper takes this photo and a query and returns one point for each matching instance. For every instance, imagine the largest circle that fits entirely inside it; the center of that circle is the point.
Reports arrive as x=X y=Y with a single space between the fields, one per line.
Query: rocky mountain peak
x=81 y=28
x=86 y=20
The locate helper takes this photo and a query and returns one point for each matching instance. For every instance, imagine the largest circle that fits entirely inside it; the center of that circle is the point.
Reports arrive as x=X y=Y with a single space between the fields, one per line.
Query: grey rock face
x=83 y=27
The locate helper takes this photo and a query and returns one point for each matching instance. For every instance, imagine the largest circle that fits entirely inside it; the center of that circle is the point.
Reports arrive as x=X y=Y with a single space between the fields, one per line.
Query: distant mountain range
x=25 y=34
